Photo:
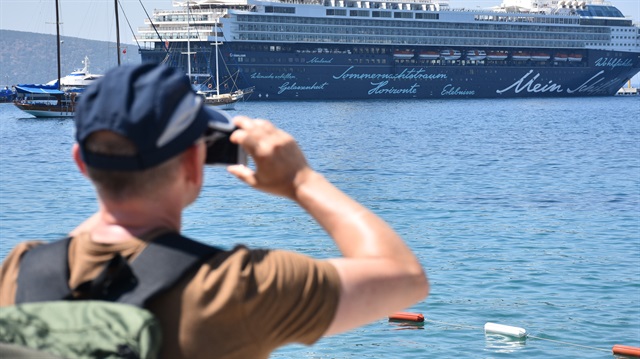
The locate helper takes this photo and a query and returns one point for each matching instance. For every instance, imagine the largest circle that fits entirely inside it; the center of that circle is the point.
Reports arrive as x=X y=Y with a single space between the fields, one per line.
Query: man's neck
x=114 y=223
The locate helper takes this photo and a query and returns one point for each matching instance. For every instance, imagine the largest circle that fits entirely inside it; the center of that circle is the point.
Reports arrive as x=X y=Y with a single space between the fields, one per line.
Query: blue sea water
x=524 y=212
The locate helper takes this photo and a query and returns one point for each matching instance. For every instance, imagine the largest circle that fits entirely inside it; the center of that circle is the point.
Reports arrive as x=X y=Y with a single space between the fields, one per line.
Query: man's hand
x=280 y=164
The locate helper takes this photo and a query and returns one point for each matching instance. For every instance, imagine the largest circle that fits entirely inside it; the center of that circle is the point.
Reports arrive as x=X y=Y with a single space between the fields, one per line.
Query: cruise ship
x=397 y=49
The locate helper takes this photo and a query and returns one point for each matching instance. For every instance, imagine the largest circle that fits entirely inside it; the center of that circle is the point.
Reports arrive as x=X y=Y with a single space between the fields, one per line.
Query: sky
x=95 y=19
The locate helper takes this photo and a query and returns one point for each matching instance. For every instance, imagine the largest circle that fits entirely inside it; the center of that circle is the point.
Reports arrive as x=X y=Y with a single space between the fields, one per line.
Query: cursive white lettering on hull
x=287 y=76
x=450 y=90
x=405 y=74
x=295 y=87
x=381 y=89
x=532 y=86
x=320 y=60
x=595 y=85
x=613 y=62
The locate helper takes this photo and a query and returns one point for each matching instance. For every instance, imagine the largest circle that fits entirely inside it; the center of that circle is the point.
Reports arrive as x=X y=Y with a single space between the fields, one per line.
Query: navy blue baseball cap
x=154 y=106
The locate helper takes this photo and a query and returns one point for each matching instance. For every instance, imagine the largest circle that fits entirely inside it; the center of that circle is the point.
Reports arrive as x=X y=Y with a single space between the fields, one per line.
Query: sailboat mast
x=115 y=3
x=58 y=41
x=217 y=75
x=189 y=41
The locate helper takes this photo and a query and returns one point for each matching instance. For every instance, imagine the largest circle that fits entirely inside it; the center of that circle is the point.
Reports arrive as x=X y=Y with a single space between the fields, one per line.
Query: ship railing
x=443 y=3
x=211 y=19
x=307 y=2
x=200 y=28
x=157 y=15
x=192 y=10
x=174 y=36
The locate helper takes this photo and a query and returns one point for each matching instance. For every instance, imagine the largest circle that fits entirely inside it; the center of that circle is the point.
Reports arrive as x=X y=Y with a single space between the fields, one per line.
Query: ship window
x=403 y=15
x=364 y=13
x=427 y=16
x=337 y=12
x=279 y=9
x=381 y=14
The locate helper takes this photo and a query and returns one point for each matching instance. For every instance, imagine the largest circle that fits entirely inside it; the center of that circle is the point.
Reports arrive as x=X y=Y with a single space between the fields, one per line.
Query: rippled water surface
x=523 y=212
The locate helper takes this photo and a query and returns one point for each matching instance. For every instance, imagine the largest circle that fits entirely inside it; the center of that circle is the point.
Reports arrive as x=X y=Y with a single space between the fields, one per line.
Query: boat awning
x=38 y=90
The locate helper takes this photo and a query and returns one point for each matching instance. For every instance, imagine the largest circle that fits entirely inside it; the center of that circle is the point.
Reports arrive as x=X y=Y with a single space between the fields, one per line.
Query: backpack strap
x=44 y=271
x=163 y=263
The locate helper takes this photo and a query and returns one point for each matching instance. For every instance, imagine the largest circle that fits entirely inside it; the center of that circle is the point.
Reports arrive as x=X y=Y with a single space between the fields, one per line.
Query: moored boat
x=58 y=97
x=7 y=94
x=382 y=49
x=79 y=79
x=45 y=100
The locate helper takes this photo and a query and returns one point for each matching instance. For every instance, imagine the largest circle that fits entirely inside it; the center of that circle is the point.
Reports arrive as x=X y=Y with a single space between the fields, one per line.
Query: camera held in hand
x=220 y=149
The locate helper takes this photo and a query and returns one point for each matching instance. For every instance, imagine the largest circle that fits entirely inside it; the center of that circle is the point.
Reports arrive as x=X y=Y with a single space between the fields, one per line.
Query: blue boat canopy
x=38 y=90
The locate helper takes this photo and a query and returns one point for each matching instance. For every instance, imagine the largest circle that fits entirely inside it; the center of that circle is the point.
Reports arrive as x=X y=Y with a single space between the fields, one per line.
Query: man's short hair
x=122 y=185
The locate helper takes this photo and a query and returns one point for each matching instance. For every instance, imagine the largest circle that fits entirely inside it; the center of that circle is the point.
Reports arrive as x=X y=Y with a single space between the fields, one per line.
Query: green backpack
x=101 y=318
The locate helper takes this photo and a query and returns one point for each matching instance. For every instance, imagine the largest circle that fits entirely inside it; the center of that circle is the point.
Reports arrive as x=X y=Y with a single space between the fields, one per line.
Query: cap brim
x=217 y=119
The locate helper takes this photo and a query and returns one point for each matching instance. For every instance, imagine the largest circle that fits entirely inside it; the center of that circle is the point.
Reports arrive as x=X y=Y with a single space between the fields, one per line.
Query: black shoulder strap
x=163 y=263
x=44 y=271
x=44 y=267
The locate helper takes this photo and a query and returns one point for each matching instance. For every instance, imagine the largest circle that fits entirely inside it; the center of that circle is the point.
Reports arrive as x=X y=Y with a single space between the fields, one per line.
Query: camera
x=220 y=149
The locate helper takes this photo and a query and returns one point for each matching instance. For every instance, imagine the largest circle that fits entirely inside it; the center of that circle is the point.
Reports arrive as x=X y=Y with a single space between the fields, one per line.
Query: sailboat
x=213 y=97
x=226 y=100
x=58 y=98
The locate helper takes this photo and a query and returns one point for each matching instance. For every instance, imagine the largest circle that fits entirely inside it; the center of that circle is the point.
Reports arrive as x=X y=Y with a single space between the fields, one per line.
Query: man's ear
x=78 y=159
x=194 y=160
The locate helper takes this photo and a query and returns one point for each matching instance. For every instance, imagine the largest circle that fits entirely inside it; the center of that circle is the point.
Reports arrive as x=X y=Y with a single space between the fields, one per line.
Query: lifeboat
x=540 y=56
x=403 y=54
x=521 y=56
x=574 y=57
x=497 y=55
x=429 y=55
x=476 y=55
x=560 y=57
x=450 y=54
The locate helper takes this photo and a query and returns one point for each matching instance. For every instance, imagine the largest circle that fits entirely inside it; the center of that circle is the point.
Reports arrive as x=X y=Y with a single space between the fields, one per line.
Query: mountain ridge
x=30 y=57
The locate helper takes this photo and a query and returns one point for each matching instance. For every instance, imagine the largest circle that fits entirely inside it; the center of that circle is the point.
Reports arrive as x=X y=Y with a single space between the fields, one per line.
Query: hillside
x=29 y=57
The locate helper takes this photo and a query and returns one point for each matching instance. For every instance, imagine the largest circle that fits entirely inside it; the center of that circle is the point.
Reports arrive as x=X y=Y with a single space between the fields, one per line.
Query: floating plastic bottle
x=493 y=328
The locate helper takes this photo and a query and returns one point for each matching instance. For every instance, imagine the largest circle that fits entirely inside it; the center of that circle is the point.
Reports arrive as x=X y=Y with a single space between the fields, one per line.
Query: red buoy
x=407 y=317
x=626 y=350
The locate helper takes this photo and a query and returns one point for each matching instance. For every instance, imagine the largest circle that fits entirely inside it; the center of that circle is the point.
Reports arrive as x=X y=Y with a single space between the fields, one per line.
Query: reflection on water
x=405 y=324
x=502 y=344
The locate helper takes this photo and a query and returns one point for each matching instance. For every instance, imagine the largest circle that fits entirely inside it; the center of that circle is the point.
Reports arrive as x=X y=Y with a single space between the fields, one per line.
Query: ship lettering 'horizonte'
x=397 y=49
